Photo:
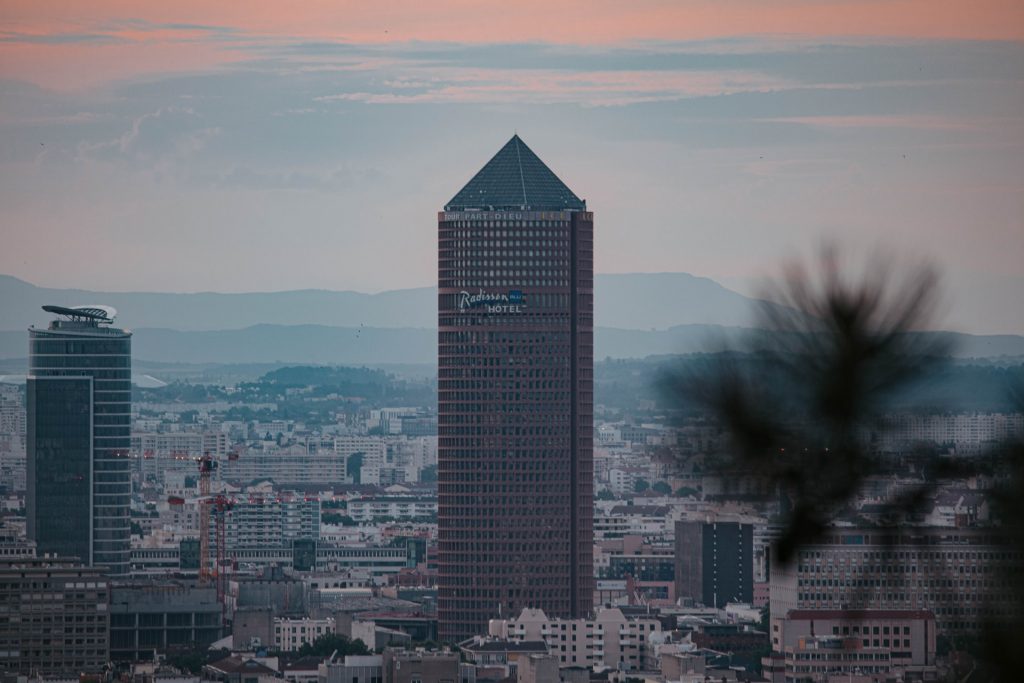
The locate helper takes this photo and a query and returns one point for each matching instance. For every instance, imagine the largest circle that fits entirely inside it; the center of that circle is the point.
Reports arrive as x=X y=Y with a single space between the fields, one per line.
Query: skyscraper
x=515 y=396
x=78 y=435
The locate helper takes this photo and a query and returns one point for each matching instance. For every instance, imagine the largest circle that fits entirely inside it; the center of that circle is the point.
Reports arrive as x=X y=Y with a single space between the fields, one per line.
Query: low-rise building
x=236 y=669
x=405 y=666
x=964 y=576
x=609 y=639
x=907 y=635
x=291 y=634
x=371 y=508
x=152 y=617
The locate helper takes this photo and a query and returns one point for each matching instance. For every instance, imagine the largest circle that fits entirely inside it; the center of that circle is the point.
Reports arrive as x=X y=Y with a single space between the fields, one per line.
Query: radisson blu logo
x=493 y=302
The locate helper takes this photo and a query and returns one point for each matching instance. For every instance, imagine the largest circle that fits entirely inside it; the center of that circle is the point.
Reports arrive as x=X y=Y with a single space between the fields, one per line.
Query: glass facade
x=65 y=358
x=60 y=465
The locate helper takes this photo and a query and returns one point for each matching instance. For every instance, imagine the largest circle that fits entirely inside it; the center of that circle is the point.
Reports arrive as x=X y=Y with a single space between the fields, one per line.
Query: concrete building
x=78 y=437
x=392 y=507
x=958 y=429
x=515 y=396
x=907 y=635
x=958 y=574
x=609 y=639
x=352 y=669
x=649 y=569
x=714 y=562
x=235 y=669
x=538 y=668
x=404 y=666
x=260 y=523
x=376 y=561
x=55 y=617
x=501 y=659
x=373 y=450
x=148 y=618
x=291 y=633
x=834 y=659
x=290 y=466
x=252 y=628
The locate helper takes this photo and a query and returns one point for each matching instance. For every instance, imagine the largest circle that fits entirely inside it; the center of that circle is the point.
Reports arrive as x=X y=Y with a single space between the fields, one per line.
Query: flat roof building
x=515 y=396
x=56 y=617
x=966 y=577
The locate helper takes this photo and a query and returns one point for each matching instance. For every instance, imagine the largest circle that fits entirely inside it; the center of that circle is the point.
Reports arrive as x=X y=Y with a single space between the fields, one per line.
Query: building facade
x=56 y=617
x=78 y=437
x=908 y=636
x=147 y=618
x=515 y=396
x=714 y=562
x=291 y=634
x=265 y=523
x=964 y=576
x=609 y=639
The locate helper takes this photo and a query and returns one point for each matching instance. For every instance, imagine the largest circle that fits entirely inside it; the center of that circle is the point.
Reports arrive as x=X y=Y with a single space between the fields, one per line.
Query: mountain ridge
x=625 y=300
x=271 y=343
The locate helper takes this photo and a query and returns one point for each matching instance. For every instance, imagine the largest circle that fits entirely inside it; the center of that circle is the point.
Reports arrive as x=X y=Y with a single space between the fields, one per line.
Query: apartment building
x=56 y=618
x=963 y=576
x=290 y=634
x=609 y=639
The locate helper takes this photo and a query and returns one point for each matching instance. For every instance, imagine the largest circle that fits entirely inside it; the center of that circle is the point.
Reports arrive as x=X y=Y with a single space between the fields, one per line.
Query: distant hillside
x=320 y=344
x=20 y=307
x=635 y=301
x=955 y=387
x=616 y=343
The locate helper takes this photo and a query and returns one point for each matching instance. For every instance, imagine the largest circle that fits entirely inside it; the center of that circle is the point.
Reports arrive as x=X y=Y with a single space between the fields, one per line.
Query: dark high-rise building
x=515 y=396
x=78 y=436
x=714 y=562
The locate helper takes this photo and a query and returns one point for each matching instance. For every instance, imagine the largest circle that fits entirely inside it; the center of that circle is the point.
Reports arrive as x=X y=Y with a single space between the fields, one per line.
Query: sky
x=263 y=146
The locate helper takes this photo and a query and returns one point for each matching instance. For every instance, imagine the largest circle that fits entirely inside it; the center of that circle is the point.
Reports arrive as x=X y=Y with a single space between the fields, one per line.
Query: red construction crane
x=206 y=467
x=213 y=509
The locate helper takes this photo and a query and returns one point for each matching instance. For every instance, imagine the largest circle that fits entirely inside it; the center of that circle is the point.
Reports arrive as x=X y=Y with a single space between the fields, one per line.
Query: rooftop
x=515 y=179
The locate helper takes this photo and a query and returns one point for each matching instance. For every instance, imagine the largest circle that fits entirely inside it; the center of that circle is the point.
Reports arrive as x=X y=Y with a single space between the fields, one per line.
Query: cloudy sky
x=189 y=146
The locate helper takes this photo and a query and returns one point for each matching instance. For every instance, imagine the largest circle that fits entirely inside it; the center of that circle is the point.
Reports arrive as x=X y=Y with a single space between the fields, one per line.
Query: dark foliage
x=333 y=642
x=799 y=410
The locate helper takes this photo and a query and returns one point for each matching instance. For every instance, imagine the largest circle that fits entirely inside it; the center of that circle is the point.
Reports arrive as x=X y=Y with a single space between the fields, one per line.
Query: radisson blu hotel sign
x=493 y=302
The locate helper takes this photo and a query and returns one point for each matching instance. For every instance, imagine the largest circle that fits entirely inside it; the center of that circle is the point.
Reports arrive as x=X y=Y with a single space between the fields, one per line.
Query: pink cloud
x=148 y=37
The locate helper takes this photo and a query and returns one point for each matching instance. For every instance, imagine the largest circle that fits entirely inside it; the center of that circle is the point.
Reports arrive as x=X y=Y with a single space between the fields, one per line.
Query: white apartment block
x=185 y=443
x=284 y=466
x=290 y=634
x=270 y=523
x=392 y=507
x=374 y=450
x=610 y=639
x=966 y=429
x=12 y=416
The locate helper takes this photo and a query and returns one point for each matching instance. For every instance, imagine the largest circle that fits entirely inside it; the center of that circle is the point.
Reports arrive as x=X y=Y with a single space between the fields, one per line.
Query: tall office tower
x=78 y=437
x=515 y=397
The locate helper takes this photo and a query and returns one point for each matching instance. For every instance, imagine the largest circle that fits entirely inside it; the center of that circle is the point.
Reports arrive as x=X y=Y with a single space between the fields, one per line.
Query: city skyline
x=204 y=142
x=720 y=377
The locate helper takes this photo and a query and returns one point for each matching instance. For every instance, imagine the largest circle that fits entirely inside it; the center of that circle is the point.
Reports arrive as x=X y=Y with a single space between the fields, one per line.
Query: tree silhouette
x=801 y=404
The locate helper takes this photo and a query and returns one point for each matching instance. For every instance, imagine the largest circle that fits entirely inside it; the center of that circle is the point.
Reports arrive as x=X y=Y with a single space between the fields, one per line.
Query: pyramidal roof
x=515 y=178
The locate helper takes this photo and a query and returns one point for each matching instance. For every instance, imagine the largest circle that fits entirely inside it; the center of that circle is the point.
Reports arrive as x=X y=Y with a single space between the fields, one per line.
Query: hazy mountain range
x=637 y=315
x=636 y=301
